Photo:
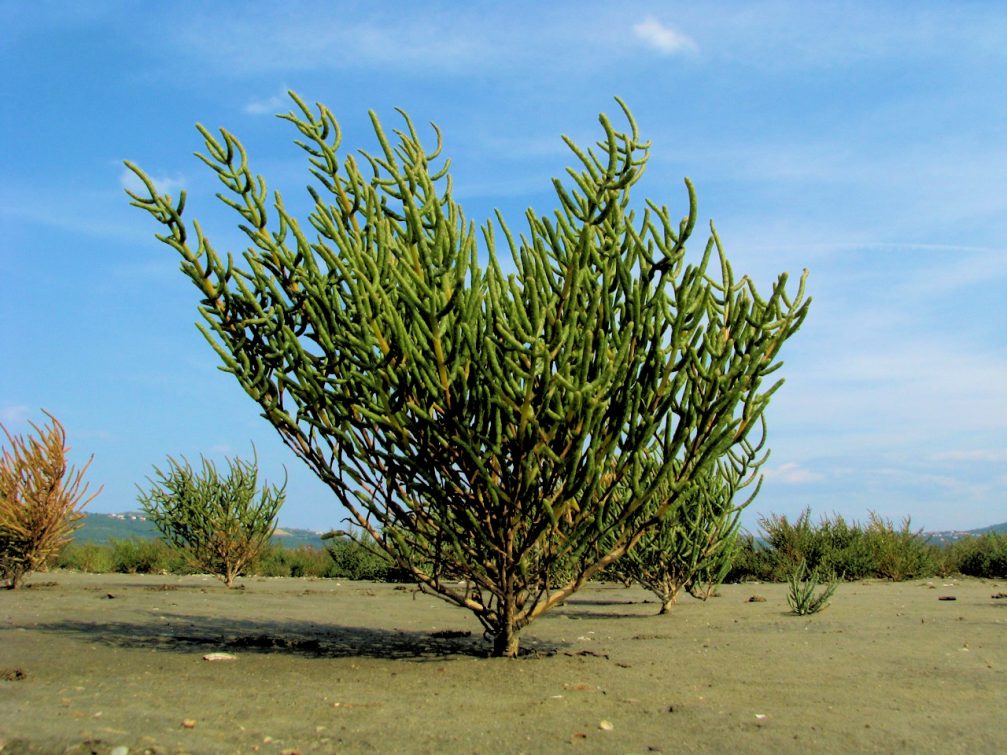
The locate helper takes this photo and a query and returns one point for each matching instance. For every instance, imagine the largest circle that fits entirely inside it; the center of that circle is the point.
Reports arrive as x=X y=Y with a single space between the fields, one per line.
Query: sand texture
x=91 y=663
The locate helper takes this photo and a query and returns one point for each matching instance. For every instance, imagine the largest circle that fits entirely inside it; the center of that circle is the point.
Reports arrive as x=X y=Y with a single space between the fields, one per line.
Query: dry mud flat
x=91 y=663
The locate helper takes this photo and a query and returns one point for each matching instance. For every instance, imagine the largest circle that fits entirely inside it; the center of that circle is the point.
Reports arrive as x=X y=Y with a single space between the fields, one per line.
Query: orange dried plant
x=41 y=498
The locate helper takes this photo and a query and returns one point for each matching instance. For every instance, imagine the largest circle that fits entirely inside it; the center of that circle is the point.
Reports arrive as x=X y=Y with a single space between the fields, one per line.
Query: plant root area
x=165 y=664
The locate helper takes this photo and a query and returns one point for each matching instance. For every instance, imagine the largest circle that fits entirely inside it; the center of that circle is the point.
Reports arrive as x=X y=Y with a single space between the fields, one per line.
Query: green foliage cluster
x=879 y=549
x=479 y=424
x=361 y=559
x=280 y=561
x=982 y=556
x=219 y=522
x=342 y=558
x=979 y=556
x=127 y=556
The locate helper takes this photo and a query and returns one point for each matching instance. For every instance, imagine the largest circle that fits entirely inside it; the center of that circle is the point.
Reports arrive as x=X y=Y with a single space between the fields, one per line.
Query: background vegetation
x=850 y=550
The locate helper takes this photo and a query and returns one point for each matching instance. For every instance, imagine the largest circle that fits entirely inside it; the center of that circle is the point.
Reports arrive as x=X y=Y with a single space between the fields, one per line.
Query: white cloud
x=164 y=184
x=663 y=38
x=12 y=415
x=266 y=106
x=791 y=473
x=995 y=455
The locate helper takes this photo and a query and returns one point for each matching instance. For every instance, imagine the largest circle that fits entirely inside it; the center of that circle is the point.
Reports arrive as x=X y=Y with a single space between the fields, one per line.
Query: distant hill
x=103 y=528
x=1002 y=527
x=950 y=536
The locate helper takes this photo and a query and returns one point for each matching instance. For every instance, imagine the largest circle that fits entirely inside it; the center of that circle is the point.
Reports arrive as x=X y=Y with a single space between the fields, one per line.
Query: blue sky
x=864 y=141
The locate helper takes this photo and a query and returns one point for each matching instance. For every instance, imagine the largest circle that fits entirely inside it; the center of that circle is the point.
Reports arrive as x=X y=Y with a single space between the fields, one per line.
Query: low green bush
x=86 y=557
x=980 y=555
x=342 y=559
x=143 y=556
x=354 y=560
x=850 y=551
x=900 y=554
x=846 y=549
x=304 y=561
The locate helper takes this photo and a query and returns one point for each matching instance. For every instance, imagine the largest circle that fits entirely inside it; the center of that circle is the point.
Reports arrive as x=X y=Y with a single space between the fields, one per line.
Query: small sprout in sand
x=802 y=598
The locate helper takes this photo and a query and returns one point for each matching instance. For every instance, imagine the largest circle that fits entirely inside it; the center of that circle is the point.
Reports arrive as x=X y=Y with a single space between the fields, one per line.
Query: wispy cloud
x=791 y=473
x=663 y=38
x=164 y=184
x=100 y=216
x=13 y=415
x=266 y=105
x=331 y=40
x=995 y=455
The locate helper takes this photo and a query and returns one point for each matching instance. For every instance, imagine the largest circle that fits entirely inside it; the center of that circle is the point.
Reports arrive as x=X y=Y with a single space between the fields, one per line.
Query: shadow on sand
x=183 y=633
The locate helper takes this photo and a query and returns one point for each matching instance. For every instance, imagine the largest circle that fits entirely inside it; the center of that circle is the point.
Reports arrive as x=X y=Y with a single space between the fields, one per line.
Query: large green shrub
x=481 y=425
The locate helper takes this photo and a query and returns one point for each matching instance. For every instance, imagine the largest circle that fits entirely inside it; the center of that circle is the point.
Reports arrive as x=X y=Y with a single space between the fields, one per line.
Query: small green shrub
x=900 y=554
x=220 y=522
x=802 y=598
x=789 y=544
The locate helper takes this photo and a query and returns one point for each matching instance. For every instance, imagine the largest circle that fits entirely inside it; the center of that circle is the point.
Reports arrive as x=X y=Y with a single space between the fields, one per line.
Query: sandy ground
x=91 y=663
